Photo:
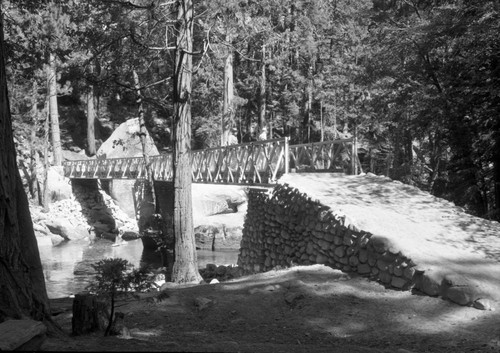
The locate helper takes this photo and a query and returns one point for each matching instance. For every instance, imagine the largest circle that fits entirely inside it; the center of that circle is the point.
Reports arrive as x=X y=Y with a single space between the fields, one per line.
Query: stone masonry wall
x=288 y=228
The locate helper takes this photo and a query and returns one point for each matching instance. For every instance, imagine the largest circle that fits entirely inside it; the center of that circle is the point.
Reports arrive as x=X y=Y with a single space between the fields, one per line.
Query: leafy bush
x=116 y=276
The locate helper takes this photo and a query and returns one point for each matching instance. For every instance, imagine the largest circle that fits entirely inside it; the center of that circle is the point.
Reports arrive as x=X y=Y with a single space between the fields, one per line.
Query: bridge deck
x=255 y=163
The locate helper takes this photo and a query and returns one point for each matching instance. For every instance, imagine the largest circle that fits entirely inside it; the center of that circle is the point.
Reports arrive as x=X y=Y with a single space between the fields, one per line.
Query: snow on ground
x=436 y=234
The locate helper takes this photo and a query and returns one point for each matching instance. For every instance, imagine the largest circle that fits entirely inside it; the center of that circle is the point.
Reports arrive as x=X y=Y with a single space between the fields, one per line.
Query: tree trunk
x=355 y=149
x=33 y=181
x=322 y=138
x=143 y=134
x=54 y=111
x=45 y=188
x=435 y=160
x=335 y=131
x=496 y=178
x=91 y=122
x=262 y=94
x=227 y=109
x=22 y=284
x=185 y=268
x=112 y=314
x=33 y=178
x=307 y=115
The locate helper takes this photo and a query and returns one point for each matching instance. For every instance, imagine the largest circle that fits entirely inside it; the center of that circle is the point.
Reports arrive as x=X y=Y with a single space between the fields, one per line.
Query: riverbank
x=87 y=213
x=304 y=308
x=68 y=266
x=79 y=230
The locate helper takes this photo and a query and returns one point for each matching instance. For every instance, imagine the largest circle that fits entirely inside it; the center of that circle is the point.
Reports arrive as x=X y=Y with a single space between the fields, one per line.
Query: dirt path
x=440 y=238
x=313 y=308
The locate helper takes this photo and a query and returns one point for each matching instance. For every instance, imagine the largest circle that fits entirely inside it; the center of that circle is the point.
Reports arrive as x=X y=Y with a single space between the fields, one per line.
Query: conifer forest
x=417 y=82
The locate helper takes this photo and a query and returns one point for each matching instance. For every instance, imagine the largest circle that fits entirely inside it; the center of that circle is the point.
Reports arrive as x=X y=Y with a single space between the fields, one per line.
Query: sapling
x=116 y=276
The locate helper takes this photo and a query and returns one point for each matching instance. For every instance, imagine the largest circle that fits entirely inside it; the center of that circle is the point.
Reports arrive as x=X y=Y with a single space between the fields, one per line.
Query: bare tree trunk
x=307 y=117
x=321 y=120
x=228 y=110
x=496 y=178
x=33 y=150
x=335 y=115
x=22 y=284
x=91 y=122
x=262 y=94
x=355 y=149
x=185 y=268
x=54 y=111
x=435 y=160
x=45 y=188
x=143 y=133
x=33 y=181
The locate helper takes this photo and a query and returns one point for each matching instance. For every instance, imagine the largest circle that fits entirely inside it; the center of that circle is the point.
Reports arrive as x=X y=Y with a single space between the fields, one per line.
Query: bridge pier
x=122 y=191
x=155 y=219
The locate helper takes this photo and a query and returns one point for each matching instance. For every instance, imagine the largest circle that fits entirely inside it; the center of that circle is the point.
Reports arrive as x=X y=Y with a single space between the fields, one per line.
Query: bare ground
x=301 y=309
x=318 y=309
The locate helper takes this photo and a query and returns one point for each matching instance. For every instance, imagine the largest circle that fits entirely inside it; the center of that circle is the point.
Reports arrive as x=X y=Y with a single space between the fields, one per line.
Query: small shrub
x=116 y=276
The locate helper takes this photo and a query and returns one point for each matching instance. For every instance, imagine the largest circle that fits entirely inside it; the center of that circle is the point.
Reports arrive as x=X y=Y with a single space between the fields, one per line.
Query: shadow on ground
x=301 y=309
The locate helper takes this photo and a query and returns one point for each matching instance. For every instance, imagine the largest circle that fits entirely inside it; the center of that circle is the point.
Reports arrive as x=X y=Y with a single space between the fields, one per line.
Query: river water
x=68 y=267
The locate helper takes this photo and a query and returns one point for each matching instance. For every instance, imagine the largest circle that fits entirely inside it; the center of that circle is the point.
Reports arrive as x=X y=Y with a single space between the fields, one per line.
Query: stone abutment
x=285 y=227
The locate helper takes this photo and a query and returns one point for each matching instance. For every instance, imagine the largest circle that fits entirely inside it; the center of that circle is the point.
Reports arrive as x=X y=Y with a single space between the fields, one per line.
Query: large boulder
x=66 y=229
x=74 y=156
x=59 y=186
x=125 y=142
x=22 y=335
x=214 y=199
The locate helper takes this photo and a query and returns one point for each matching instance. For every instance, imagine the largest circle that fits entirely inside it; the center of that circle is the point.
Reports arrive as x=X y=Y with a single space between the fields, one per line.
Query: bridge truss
x=254 y=163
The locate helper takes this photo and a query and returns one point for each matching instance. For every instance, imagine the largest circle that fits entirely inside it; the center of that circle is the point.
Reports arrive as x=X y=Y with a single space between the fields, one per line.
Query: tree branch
x=130 y=4
x=128 y=87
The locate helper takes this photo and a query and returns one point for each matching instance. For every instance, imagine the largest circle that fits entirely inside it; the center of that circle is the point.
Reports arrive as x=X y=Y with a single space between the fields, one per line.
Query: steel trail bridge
x=254 y=163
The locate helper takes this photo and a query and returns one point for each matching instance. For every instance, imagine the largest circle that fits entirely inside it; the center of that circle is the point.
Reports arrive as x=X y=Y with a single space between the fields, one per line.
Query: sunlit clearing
x=145 y=333
x=298 y=275
x=454 y=320
x=346 y=329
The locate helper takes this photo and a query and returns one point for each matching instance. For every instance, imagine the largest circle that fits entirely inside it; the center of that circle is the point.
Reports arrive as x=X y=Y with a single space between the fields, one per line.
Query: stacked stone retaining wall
x=286 y=227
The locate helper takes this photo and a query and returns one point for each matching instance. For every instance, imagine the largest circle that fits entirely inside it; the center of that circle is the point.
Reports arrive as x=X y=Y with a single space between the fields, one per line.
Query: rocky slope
x=84 y=212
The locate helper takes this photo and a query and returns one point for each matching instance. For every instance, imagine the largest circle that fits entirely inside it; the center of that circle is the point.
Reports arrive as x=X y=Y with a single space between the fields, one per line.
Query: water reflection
x=68 y=269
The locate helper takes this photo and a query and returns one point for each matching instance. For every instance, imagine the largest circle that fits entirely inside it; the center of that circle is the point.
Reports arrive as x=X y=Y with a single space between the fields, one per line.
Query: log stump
x=90 y=314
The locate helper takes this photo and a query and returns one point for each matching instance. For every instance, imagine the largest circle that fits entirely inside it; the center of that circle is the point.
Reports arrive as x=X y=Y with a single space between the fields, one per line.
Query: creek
x=68 y=266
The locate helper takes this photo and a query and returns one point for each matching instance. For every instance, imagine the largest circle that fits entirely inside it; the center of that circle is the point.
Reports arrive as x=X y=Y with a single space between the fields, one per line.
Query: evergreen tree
x=186 y=265
x=22 y=284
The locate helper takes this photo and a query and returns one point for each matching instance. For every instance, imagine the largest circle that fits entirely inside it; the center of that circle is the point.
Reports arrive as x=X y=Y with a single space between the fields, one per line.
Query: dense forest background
x=416 y=81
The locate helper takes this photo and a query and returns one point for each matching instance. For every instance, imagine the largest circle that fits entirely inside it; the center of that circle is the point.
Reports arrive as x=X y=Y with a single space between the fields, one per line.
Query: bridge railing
x=119 y=168
x=262 y=162
x=335 y=155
